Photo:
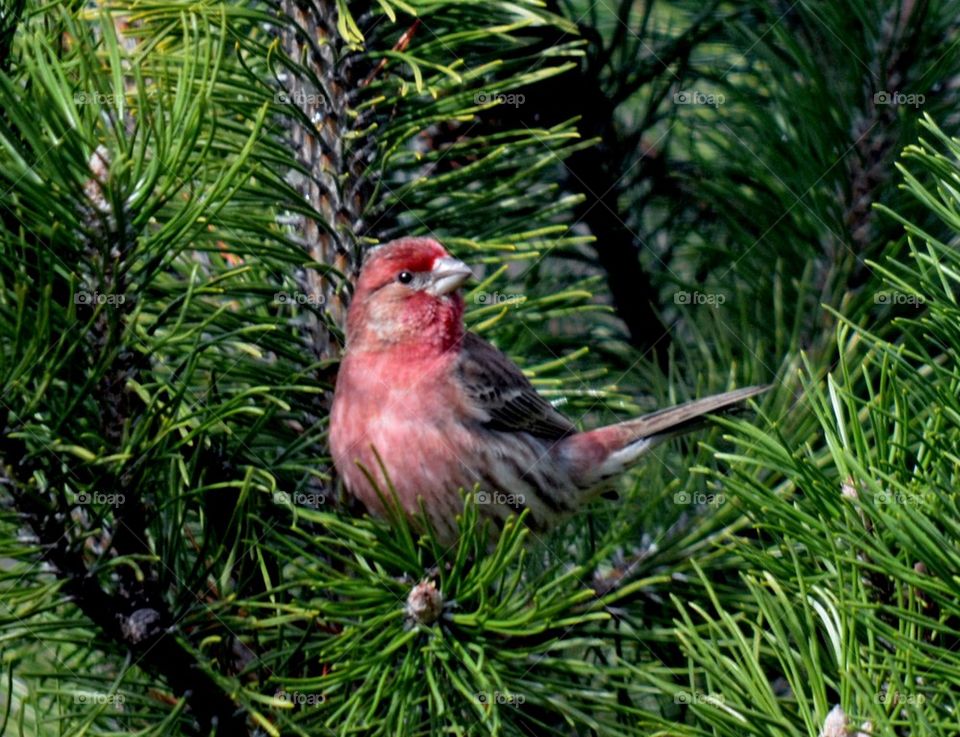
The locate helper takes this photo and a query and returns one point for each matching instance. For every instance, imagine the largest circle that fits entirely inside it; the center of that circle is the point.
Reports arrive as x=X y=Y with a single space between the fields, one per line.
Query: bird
x=423 y=408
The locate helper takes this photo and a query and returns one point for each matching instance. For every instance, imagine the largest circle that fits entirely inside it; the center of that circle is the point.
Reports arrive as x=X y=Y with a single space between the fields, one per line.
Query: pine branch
x=320 y=84
x=132 y=618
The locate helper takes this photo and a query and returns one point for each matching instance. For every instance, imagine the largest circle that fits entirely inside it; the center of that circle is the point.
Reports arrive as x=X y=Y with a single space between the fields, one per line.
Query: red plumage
x=444 y=409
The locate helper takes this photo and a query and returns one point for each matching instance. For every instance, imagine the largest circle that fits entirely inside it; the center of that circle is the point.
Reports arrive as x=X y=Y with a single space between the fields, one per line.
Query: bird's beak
x=447 y=275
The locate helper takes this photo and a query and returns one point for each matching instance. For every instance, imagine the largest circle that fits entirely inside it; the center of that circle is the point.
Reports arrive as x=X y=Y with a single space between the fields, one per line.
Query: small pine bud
x=140 y=625
x=425 y=603
x=849 y=489
x=100 y=170
x=837 y=725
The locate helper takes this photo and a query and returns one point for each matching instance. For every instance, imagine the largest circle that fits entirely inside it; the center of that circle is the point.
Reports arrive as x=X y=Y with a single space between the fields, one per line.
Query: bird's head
x=407 y=294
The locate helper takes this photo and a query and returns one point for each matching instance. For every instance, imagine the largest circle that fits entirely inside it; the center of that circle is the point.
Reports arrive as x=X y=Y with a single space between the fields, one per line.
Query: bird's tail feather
x=688 y=416
x=610 y=450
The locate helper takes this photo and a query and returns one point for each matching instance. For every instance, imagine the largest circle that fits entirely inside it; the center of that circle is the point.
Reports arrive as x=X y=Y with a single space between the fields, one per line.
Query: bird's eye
x=404 y=277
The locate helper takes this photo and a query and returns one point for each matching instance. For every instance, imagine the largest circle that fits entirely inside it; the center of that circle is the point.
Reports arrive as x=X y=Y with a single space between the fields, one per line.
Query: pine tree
x=187 y=192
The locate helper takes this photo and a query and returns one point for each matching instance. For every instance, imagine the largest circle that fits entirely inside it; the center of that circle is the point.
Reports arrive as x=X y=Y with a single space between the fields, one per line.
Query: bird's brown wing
x=498 y=388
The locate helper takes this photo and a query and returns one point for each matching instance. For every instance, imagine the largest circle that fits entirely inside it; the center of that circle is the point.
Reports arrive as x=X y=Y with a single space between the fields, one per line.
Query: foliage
x=187 y=190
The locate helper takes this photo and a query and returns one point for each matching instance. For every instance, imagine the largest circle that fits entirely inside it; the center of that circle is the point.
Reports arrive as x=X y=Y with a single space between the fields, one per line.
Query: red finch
x=444 y=409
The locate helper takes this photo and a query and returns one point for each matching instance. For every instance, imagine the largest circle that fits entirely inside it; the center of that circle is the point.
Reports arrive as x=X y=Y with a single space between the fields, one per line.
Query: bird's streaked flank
x=444 y=409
